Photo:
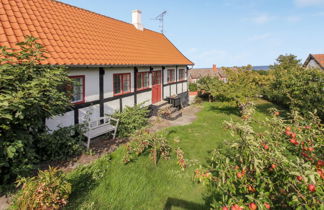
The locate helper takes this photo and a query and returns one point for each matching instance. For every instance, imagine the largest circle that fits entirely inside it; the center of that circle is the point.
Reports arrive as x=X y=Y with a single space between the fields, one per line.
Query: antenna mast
x=160 y=18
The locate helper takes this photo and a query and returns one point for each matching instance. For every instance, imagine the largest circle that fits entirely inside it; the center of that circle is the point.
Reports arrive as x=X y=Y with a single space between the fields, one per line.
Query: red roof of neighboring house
x=319 y=59
x=74 y=36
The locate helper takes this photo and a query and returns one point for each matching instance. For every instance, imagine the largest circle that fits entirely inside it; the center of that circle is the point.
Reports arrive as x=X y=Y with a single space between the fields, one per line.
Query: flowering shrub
x=143 y=141
x=281 y=167
x=180 y=157
x=49 y=190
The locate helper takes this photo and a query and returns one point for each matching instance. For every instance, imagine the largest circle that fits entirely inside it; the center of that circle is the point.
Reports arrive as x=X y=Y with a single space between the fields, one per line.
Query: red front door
x=156 y=86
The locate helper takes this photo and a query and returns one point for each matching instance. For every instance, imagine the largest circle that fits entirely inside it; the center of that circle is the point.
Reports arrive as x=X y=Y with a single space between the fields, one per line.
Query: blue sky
x=228 y=32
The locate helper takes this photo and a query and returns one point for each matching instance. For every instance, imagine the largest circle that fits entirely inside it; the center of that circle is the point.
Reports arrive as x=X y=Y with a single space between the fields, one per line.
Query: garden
x=257 y=143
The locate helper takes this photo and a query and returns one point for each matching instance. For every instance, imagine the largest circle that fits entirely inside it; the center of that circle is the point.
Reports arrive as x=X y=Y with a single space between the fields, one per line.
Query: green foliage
x=143 y=141
x=48 y=190
x=242 y=87
x=280 y=167
x=286 y=62
x=193 y=87
x=62 y=144
x=131 y=119
x=29 y=94
x=296 y=87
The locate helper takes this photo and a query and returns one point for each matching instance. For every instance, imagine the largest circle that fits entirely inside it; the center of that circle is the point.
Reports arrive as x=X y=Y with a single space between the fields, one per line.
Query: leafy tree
x=241 y=87
x=29 y=93
x=296 y=87
x=286 y=61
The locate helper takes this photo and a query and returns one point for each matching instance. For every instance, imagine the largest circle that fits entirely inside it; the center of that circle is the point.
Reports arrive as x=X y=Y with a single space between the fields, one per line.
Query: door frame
x=159 y=94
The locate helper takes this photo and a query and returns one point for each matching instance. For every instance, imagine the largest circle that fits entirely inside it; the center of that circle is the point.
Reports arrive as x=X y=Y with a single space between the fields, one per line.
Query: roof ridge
x=76 y=7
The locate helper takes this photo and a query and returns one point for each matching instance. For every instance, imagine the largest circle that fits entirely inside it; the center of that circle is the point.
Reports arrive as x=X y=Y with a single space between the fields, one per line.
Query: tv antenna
x=160 y=18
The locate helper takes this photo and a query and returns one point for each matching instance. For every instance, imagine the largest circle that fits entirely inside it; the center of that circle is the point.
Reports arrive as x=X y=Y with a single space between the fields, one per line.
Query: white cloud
x=261 y=19
x=258 y=37
x=293 y=19
x=308 y=3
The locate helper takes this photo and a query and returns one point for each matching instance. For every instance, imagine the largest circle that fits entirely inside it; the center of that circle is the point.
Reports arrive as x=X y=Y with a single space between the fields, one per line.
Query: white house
x=113 y=63
x=315 y=61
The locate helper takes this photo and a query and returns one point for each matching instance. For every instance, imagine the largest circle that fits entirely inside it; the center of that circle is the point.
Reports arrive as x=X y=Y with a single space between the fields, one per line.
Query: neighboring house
x=113 y=63
x=195 y=74
x=315 y=61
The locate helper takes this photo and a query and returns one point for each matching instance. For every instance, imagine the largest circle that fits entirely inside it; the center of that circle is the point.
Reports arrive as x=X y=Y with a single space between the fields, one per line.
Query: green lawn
x=141 y=185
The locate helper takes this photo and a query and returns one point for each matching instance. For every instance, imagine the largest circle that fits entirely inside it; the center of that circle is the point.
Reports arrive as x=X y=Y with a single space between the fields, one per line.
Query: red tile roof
x=74 y=36
x=319 y=59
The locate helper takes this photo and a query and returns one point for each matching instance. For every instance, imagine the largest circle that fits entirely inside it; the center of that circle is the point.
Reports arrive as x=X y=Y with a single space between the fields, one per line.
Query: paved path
x=189 y=114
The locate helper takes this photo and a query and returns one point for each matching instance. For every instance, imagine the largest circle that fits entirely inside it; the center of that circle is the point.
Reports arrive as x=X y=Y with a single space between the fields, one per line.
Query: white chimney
x=137 y=19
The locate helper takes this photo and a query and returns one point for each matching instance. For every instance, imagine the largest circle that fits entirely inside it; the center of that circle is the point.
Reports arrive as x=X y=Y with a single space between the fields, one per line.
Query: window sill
x=79 y=102
x=120 y=94
x=146 y=88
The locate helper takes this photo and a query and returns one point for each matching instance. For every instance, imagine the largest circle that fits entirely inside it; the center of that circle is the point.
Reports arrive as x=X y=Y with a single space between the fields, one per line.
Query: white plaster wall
x=111 y=107
x=166 y=91
x=312 y=64
x=145 y=97
x=173 y=89
x=91 y=112
x=91 y=82
x=108 y=79
x=128 y=101
x=65 y=120
x=185 y=86
x=180 y=87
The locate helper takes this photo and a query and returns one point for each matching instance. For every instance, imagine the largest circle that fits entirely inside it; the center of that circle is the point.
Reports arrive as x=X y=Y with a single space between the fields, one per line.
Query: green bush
x=131 y=119
x=193 y=87
x=29 y=94
x=296 y=87
x=62 y=144
x=48 y=190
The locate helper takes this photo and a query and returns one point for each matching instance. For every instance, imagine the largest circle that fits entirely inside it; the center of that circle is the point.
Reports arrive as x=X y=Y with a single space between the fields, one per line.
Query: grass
x=109 y=184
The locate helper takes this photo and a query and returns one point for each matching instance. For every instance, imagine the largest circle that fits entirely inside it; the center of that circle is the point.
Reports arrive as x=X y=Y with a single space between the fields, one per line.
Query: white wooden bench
x=99 y=127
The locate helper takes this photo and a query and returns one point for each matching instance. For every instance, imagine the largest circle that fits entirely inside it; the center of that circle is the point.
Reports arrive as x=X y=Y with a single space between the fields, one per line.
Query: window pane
x=139 y=80
x=77 y=89
x=171 y=75
x=146 y=79
x=181 y=74
x=126 y=81
x=117 y=83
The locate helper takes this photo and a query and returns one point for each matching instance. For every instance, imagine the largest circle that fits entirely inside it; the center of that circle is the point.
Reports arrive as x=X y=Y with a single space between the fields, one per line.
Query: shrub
x=29 y=93
x=193 y=87
x=181 y=160
x=131 y=119
x=143 y=141
x=281 y=167
x=296 y=87
x=48 y=190
x=62 y=144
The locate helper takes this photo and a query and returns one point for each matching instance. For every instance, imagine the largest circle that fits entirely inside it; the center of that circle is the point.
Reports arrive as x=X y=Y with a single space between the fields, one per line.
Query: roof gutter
x=120 y=66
